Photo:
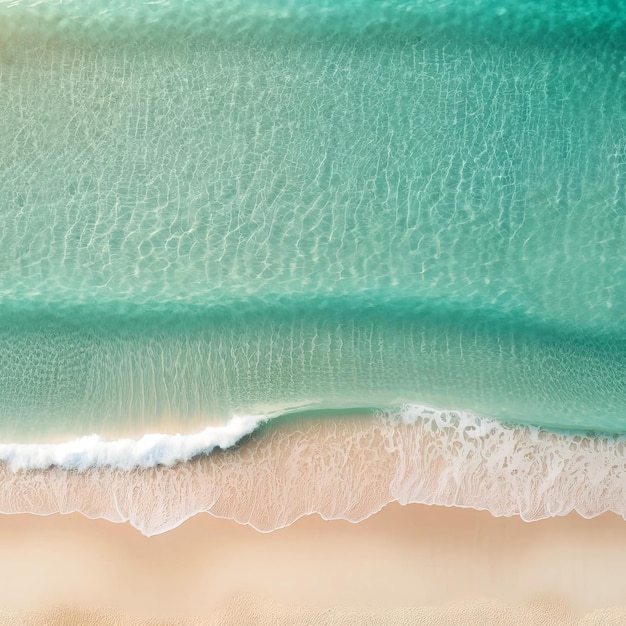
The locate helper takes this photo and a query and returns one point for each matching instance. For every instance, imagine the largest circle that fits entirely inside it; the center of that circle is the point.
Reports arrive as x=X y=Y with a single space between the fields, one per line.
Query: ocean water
x=233 y=233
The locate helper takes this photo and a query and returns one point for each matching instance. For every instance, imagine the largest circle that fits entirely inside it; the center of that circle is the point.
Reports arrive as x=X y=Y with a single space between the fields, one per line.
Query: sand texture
x=405 y=565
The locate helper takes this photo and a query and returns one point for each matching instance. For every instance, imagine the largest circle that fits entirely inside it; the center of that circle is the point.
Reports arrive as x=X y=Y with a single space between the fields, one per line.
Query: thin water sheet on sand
x=347 y=468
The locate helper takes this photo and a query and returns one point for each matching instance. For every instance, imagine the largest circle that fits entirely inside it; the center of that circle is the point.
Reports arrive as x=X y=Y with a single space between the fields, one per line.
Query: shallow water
x=215 y=209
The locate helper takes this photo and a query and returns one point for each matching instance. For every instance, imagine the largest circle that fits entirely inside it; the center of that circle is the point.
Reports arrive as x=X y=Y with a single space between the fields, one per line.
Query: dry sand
x=405 y=565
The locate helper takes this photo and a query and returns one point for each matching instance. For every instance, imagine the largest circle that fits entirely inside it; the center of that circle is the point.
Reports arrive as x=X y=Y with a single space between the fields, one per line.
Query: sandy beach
x=413 y=564
x=405 y=565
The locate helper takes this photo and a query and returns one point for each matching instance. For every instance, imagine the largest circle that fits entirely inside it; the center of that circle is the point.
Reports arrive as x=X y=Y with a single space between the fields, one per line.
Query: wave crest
x=126 y=454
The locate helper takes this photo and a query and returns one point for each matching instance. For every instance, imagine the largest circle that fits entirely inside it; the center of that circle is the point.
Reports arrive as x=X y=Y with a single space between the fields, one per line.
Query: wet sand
x=413 y=564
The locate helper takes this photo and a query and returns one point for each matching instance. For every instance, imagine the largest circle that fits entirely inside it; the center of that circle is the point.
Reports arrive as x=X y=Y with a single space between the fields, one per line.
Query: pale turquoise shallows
x=209 y=208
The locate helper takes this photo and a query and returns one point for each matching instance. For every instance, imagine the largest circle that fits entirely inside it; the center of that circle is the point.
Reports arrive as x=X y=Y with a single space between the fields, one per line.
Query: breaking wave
x=125 y=454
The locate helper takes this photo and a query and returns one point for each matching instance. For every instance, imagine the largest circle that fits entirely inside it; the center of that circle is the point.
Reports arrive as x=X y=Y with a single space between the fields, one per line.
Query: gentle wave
x=127 y=454
x=347 y=469
x=85 y=371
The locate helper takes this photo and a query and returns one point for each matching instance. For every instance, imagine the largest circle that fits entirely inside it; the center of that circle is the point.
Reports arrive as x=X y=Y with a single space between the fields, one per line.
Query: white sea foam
x=339 y=468
x=126 y=454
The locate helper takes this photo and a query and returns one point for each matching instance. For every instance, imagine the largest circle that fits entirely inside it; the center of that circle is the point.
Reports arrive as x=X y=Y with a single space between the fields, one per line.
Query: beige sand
x=457 y=565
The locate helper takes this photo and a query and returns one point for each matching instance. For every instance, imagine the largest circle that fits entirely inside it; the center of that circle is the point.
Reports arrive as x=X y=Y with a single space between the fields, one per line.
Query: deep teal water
x=212 y=208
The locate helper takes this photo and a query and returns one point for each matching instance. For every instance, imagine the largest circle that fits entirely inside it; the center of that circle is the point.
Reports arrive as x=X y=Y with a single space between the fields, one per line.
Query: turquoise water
x=210 y=209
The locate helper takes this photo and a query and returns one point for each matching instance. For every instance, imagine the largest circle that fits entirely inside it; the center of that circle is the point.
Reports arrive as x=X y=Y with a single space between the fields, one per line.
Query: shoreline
x=345 y=469
x=437 y=564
